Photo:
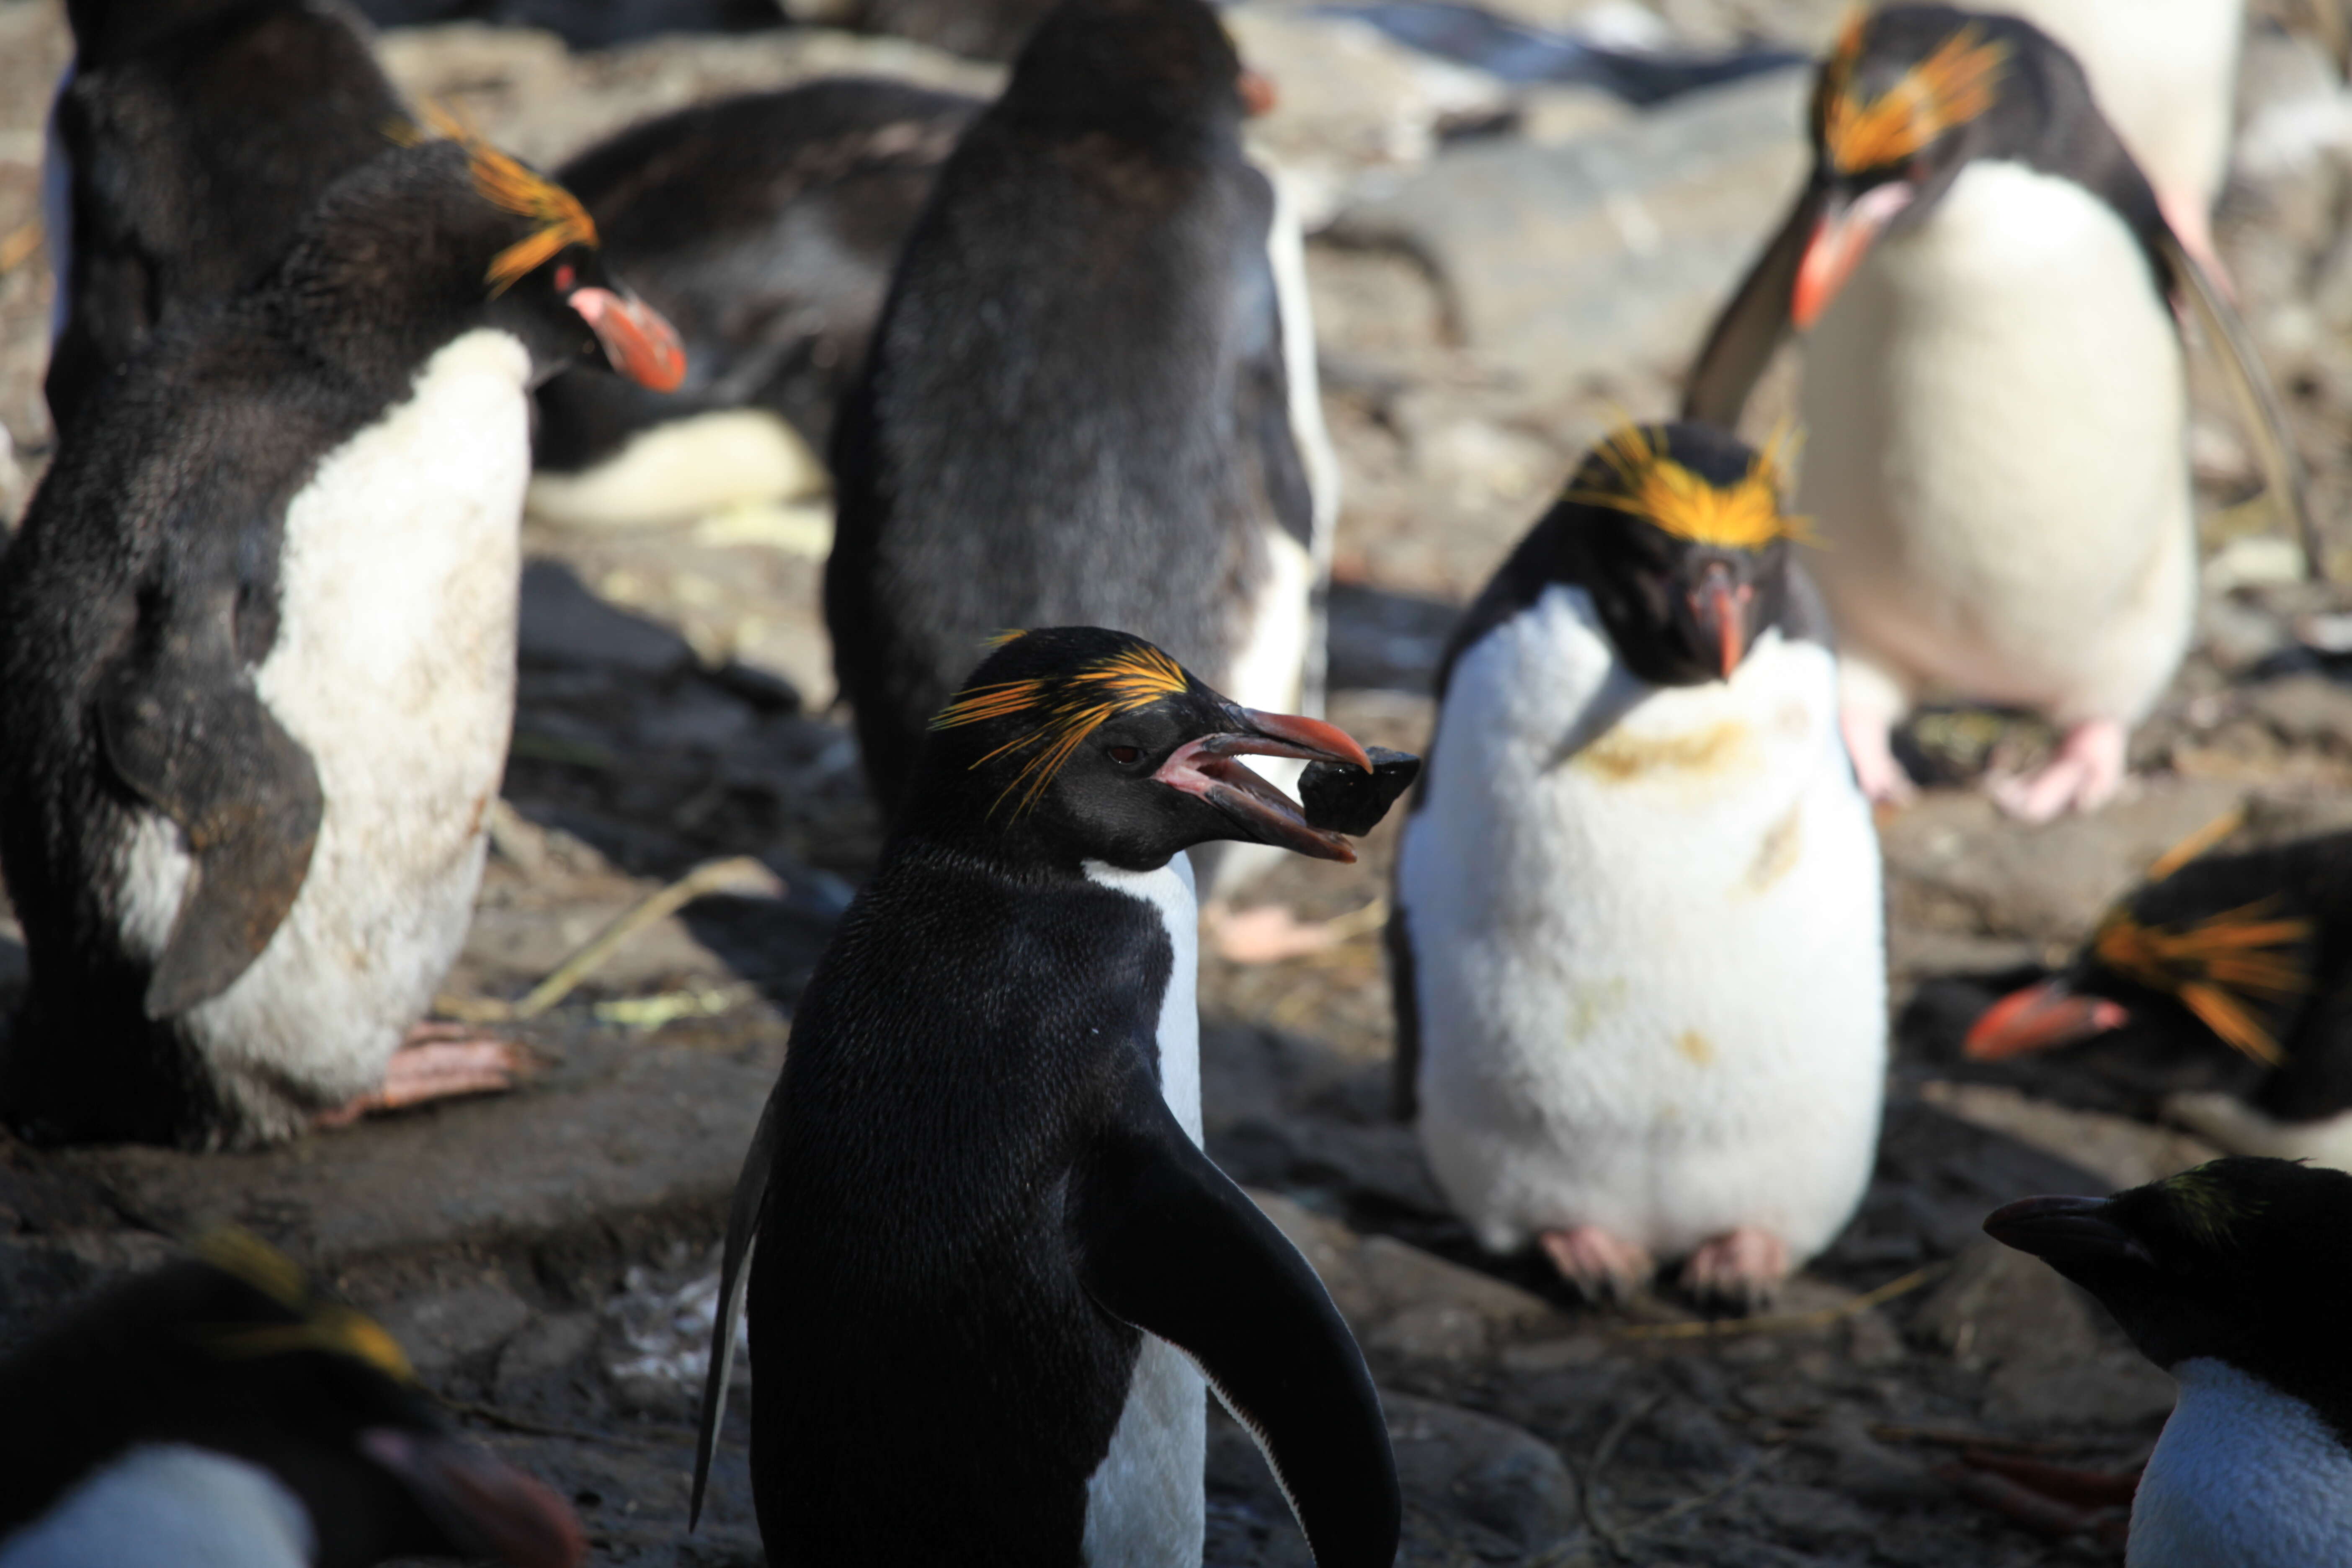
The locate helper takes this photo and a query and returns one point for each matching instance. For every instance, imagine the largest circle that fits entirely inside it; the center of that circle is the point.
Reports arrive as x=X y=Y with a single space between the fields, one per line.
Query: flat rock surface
x=1499 y=272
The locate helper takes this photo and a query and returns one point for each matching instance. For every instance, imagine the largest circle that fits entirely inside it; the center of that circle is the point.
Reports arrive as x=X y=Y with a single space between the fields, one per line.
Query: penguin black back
x=194 y=135
x=765 y=228
x=229 y=1352
x=1076 y=406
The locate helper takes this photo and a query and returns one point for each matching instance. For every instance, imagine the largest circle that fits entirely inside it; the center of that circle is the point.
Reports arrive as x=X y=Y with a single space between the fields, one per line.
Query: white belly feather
x=1145 y=1503
x=394 y=668
x=1994 y=415
x=1646 y=930
x=2244 y=1477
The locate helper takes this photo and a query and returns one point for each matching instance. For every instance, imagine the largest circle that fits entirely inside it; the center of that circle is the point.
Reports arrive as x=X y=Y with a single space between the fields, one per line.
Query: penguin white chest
x=1994 y=408
x=393 y=670
x=2244 y=1477
x=170 y=1502
x=1645 y=927
x=1145 y=1503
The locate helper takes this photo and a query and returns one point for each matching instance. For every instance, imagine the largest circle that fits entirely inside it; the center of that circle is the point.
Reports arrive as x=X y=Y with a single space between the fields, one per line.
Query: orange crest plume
x=505 y=183
x=2215 y=967
x=1066 y=711
x=1948 y=88
x=1742 y=516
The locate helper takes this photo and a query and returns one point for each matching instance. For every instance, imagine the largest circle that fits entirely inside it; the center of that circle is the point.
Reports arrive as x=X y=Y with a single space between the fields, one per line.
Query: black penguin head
x=1909 y=97
x=231 y=1353
x=418 y=245
x=2214 y=946
x=2245 y=1261
x=1075 y=743
x=1677 y=533
x=1154 y=72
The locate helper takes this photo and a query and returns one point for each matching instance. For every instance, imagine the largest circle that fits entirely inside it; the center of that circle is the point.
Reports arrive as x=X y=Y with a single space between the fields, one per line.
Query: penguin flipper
x=2251 y=388
x=1751 y=329
x=1166 y=1242
x=182 y=725
x=745 y=1212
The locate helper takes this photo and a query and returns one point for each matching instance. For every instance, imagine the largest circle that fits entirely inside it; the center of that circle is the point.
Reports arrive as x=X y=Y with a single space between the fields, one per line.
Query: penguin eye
x=565 y=278
x=1125 y=756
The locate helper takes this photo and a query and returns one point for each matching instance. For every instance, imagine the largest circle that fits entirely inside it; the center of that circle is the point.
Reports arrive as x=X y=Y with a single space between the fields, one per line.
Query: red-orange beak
x=1258 y=96
x=639 y=341
x=2039 y=1018
x=1720 y=607
x=1843 y=236
x=490 y=1509
x=1205 y=768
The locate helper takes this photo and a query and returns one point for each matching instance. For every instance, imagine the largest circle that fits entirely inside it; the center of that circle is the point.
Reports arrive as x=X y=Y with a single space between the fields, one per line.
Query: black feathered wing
x=744 y=1213
x=1165 y=1241
x=183 y=727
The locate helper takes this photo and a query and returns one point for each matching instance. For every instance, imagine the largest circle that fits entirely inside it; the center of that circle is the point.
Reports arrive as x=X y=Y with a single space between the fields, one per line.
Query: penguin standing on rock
x=1993 y=393
x=764 y=228
x=1091 y=396
x=212 y=1413
x=996 y=1265
x=188 y=139
x=2244 y=961
x=2232 y=1277
x=1636 y=950
x=257 y=663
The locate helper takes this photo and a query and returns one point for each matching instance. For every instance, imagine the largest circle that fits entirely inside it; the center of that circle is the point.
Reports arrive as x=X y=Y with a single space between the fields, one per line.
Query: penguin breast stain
x=1695 y=1047
x=1620 y=758
x=1783 y=846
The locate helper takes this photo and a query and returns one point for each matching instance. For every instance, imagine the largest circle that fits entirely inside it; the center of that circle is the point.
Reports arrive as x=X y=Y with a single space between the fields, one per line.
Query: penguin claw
x=436 y=1061
x=2087 y=773
x=1741 y=1269
x=1605 y=1268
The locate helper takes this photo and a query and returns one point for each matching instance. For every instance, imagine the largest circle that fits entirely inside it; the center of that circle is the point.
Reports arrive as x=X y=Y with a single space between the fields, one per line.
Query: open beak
x=1258 y=96
x=1206 y=768
x=641 y=345
x=2065 y=1230
x=1843 y=236
x=490 y=1509
x=2037 y=1019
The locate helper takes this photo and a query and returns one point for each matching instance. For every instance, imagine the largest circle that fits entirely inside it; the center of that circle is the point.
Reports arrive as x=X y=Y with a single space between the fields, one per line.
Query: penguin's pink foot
x=1742 y=1269
x=436 y=1061
x=1601 y=1266
x=2055 y=1501
x=2083 y=775
x=1869 y=741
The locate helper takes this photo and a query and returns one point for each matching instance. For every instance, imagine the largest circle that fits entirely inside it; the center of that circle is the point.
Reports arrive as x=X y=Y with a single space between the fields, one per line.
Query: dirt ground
x=545 y=1256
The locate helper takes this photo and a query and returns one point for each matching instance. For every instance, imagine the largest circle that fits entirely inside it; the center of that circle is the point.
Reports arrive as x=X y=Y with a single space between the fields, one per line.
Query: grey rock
x=2307 y=709
x=2053 y=1356
x=1568 y=262
x=1489 y=1471
x=442 y=1328
x=546 y=1347
x=2121 y=1152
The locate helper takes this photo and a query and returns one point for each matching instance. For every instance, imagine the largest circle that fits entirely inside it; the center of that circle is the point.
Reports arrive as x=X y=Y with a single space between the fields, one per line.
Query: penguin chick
x=2165 y=73
x=187 y=140
x=2248 y=953
x=997 y=1265
x=212 y=1413
x=2232 y=1277
x=1091 y=396
x=765 y=228
x=1993 y=388
x=256 y=659
x=1636 y=949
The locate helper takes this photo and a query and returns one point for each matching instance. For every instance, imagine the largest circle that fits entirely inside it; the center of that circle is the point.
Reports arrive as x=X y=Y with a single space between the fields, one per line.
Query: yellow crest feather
x=336 y=1330
x=1948 y=88
x=1066 y=712
x=2215 y=967
x=1745 y=515
x=505 y=183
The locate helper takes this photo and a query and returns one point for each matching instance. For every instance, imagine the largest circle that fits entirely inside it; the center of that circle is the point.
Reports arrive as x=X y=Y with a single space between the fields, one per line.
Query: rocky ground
x=1498 y=270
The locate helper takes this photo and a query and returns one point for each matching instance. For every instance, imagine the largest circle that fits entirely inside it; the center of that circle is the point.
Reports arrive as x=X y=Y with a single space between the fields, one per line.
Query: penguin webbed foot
x=2086 y=773
x=436 y=1061
x=1869 y=743
x=1738 y=1272
x=1608 y=1269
